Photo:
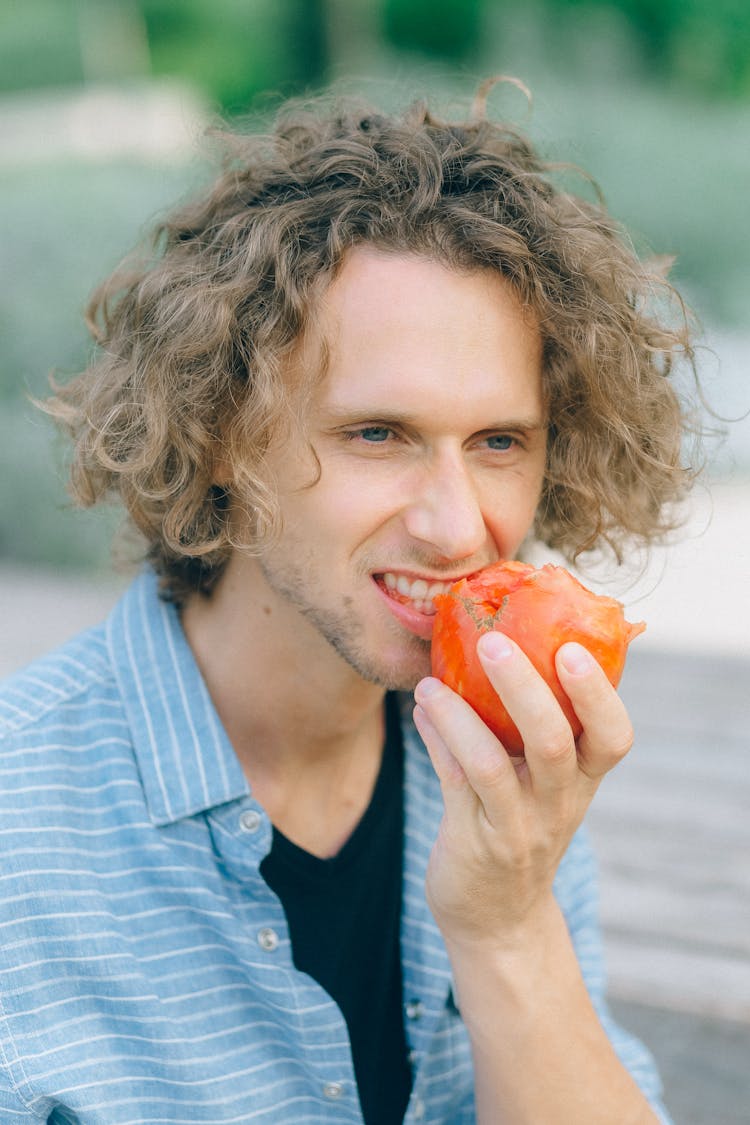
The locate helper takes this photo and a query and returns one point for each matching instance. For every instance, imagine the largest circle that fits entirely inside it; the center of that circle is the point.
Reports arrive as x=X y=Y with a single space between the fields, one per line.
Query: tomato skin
x=540 y=609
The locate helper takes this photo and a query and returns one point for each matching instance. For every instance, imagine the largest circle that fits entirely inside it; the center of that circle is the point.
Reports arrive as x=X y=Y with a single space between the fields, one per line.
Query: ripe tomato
x=540 y=610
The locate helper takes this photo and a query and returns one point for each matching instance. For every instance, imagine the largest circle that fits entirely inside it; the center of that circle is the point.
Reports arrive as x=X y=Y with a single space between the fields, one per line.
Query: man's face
x=430 y=432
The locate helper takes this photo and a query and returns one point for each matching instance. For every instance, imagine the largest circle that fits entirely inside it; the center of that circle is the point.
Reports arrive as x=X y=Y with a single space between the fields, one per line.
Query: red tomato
x=540 y=610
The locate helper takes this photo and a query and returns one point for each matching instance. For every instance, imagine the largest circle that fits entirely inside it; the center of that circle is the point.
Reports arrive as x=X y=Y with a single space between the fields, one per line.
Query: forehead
x=406 y=327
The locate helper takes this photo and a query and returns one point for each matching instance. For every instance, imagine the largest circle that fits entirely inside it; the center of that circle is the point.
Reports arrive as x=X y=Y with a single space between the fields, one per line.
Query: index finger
x=484 y=761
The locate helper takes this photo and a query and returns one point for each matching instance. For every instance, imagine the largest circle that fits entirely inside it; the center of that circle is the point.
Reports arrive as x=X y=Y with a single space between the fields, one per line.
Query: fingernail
x=495 y=646
x=426 y=688
x=576 y=659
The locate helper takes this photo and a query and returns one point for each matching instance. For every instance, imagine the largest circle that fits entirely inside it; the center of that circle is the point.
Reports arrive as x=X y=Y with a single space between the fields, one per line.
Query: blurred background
x=103 y=106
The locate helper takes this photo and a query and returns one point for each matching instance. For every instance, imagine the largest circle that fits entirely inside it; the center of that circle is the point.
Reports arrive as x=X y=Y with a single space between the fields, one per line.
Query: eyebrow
x=341 y=416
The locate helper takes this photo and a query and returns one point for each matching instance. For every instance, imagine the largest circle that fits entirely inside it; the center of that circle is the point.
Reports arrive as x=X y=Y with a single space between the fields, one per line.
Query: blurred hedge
x=236 y=49
x=62 y=228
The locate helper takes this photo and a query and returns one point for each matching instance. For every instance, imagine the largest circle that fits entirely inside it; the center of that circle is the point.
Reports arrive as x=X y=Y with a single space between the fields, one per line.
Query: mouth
x=416 y=593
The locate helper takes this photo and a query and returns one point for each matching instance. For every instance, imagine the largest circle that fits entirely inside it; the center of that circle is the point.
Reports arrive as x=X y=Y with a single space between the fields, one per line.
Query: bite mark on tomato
x=490 y=616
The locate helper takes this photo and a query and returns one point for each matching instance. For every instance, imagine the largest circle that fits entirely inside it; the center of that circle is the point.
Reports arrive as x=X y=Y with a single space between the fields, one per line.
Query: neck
x=307 y=729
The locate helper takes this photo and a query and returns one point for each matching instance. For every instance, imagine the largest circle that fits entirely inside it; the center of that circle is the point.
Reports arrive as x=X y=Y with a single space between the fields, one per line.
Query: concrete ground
x=672 y=832
x=704 y=1062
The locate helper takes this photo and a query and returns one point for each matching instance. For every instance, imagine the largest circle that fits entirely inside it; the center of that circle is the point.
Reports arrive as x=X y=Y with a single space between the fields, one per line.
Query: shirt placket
x=242 y=835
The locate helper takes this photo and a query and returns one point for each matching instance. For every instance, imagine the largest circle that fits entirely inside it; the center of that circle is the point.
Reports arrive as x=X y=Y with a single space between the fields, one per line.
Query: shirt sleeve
x=576 y=889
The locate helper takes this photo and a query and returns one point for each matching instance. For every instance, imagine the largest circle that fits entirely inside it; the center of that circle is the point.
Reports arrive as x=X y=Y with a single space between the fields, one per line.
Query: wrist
x=515 y=978
x=515 y=942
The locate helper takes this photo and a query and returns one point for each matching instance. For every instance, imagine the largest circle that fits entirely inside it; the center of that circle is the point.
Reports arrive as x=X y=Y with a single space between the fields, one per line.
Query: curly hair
x=194 y=368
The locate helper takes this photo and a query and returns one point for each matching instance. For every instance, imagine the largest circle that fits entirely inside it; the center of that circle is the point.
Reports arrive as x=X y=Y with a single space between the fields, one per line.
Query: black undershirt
x=344 y=922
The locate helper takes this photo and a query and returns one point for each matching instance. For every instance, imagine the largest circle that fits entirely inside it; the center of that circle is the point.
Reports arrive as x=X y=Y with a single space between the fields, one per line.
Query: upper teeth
x=418 y=589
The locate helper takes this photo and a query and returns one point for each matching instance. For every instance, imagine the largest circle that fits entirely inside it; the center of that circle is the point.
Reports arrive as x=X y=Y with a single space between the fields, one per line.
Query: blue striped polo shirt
x=146 y=972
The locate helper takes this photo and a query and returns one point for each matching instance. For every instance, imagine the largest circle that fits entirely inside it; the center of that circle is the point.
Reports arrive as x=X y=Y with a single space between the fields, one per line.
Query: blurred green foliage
x=62 y=228
x=237 y=49
x=39 y=44
x=450 y=29
x=703 y=44
x=231 y=49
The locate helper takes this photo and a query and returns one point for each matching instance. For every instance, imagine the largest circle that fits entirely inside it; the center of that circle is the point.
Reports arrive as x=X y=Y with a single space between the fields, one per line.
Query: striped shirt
x=146 y=975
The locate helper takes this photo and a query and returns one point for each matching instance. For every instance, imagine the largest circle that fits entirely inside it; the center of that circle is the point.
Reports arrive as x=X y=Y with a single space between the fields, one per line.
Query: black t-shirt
x=344 y=921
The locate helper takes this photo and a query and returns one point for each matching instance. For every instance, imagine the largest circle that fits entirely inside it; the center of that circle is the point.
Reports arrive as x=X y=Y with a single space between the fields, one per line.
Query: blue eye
x=500 y=442
x=374 y=433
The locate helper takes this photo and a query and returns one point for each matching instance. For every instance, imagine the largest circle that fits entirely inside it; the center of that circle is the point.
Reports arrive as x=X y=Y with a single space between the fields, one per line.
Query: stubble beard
x=344 y=633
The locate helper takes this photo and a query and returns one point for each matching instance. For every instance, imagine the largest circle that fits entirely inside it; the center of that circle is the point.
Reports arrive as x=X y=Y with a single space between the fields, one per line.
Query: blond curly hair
x=194 y=344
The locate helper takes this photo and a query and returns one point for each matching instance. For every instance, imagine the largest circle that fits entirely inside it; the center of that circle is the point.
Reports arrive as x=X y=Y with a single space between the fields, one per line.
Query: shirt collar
x=186 y=761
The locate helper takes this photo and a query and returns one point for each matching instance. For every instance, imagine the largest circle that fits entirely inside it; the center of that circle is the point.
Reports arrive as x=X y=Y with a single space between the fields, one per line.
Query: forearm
x=540 y=1052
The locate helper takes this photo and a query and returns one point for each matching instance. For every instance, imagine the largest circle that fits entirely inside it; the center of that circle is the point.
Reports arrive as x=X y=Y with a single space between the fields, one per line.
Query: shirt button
x=268 y=939
x=414 y=1009
x=250 y=821
x=333 y=1090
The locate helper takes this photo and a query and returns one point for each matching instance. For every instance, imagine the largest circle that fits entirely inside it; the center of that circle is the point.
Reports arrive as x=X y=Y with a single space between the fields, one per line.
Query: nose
x=444 y=510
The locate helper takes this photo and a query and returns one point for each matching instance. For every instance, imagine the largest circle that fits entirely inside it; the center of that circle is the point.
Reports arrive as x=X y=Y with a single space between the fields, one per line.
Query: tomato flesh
x=540 y=609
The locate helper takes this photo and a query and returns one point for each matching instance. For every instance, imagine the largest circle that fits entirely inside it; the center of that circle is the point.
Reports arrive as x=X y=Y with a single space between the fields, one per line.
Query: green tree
x=236 y=49
x=449 y=29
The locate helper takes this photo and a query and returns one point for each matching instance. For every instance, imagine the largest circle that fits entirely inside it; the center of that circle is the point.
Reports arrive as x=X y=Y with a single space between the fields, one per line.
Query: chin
x=403 y=674
x=391 y=658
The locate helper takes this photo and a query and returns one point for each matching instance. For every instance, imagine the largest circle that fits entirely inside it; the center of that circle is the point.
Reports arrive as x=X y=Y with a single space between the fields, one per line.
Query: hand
x=508 y=821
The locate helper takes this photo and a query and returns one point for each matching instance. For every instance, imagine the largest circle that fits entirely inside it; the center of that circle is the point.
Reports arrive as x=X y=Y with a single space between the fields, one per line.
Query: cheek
x=511 y=516
x=351 y=501
x=332 y=517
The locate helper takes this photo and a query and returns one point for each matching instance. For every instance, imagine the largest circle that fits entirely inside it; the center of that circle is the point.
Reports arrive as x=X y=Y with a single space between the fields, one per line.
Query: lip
x=421 y=624
x=418 y=623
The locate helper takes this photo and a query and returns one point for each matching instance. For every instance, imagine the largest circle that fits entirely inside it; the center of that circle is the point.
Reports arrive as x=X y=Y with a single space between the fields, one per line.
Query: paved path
x=672 y=828
x=40 y=610
x=704 y=1063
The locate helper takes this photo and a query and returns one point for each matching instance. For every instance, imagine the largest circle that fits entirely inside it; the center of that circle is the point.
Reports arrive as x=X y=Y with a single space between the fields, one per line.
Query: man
x=377 y=355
